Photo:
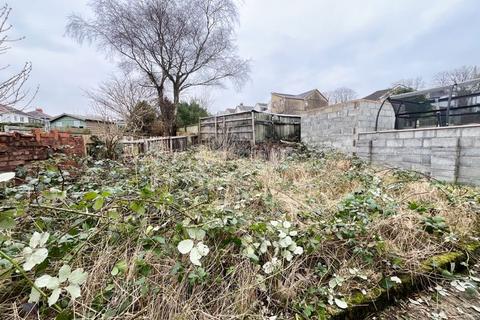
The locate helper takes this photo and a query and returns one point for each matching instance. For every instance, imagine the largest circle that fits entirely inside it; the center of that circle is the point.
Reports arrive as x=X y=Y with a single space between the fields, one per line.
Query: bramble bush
x=195 y=233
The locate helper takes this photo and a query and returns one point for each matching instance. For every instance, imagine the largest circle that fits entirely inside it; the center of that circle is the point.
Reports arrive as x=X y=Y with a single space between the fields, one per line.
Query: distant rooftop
x=301 y=96
x=39 y=114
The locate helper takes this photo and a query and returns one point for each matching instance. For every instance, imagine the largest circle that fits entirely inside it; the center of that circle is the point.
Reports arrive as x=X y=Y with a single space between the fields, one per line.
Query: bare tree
x=341 y=95
x=457 y=75
x=183 y=43
x=12 y=85
x=119 y=97
x=414 y=84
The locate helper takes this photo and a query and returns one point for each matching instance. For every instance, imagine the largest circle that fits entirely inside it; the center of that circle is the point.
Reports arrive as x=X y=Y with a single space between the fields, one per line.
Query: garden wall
x=450 y=154
x=337 y=126
x=17 y=149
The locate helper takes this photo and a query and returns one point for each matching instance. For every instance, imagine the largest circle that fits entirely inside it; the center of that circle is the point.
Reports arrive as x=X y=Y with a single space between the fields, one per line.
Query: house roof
x=5 y=109
x=39 y=114
x=382 y=94
x=241 y=108
x=378 y=95
x=301 y=96
x=79 y=117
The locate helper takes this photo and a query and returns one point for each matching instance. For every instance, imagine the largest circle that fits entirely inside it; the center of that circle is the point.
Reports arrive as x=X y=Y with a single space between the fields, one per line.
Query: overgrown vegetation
x=204 y=234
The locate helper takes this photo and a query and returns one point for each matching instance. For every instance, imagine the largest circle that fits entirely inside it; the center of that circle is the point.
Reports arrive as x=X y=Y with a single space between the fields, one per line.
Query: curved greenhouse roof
x=457 y=104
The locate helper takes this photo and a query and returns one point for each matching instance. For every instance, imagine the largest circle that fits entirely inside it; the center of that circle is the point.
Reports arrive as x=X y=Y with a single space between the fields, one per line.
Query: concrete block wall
x=449 y=154
x=338 y=126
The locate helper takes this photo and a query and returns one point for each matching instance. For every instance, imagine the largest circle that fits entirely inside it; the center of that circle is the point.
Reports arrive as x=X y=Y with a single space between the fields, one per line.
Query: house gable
x=68 y=121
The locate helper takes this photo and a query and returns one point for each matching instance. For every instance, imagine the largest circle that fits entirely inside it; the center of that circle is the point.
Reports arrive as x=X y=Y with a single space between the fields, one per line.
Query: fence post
x=370 y=151
x=253 y=128
x=216 y=127
x=458 y=149
x=170 y=143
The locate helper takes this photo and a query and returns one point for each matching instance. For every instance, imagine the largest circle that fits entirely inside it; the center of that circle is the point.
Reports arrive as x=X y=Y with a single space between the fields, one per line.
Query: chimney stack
x=39 y=110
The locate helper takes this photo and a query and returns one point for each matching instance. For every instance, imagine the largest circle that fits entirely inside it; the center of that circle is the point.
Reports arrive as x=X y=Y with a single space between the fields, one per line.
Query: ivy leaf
x=185 y=246
x=54 y=296
x=78 y=277
x=74 y=291
x=341 y=303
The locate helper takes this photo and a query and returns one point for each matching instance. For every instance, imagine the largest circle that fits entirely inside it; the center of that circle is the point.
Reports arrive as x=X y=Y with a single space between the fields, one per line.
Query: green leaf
x=185 y=246
x=196 y=233
x=159 y=239
x=64 y=273
x=98 y=203
x=120 y=267
x=7 y=220
x=43 y=281
x=78 y=276
x=90 y=195
x=138 y=207
x=54 y=296
x=341 y=303
x=34 y=296
x=195 y=256
x=74 y=290
x=36 y=256
x=65 y=315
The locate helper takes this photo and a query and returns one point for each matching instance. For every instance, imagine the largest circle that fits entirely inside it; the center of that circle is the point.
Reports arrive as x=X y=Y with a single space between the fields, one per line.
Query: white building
x=12 y=115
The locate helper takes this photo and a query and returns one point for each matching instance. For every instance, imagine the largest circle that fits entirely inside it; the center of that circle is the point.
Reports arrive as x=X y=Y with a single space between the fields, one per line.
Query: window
x=21 y=119
x=76 y=124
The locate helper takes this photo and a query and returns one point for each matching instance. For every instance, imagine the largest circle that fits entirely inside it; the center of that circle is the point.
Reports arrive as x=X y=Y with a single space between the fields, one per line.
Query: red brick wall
x=17 y=149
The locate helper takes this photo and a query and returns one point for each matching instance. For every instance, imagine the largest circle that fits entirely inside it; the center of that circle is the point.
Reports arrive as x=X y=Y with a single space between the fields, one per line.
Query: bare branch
x=13 y=85
x=186 y=43
x=341 y=95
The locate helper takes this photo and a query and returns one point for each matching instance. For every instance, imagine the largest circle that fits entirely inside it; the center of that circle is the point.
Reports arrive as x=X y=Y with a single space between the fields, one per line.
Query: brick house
x=297 y=104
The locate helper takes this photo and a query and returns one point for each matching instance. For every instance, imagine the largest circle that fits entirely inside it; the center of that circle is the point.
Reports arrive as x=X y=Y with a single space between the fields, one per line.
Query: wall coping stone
x=423 y=129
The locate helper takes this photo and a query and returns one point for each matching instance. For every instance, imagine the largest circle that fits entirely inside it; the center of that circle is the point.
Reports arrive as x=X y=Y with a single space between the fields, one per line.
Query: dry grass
x=309 y=191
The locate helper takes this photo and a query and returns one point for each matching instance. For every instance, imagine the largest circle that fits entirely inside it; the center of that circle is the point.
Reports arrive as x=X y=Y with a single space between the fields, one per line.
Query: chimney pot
x=39 y=109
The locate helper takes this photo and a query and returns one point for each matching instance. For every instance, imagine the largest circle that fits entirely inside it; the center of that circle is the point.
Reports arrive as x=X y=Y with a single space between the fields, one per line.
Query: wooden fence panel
x=252 y=126
x=158 y=144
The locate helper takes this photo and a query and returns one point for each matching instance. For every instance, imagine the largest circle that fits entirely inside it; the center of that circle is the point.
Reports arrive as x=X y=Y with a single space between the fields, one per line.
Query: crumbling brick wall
x=17 y=149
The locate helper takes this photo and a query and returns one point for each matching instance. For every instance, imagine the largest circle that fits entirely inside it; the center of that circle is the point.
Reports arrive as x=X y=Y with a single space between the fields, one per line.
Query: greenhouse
x=452 y=105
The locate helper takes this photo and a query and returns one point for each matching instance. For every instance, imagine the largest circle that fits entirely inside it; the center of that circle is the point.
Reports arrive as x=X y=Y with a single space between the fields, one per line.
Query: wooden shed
x=250 y=126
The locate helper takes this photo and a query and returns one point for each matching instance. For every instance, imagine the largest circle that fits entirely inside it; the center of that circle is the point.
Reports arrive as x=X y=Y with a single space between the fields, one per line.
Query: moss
x=441 y=261
x=360 y=298
x=471 y=247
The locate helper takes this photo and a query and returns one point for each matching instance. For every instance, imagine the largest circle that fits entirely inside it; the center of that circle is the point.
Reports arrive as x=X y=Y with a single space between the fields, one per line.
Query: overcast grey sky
x=294 y=46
